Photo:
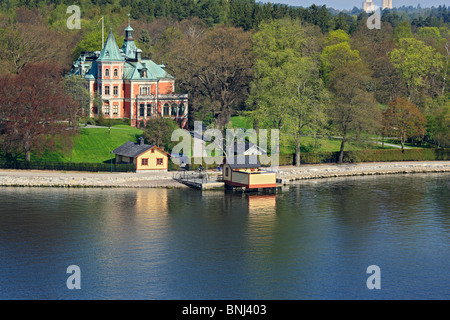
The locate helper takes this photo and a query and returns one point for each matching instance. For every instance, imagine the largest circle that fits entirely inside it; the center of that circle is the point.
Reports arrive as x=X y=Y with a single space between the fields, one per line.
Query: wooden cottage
x=145 y=157
x=245 y=172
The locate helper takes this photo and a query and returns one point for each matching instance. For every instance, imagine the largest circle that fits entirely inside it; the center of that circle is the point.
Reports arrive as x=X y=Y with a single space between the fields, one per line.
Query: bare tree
x=215 y=66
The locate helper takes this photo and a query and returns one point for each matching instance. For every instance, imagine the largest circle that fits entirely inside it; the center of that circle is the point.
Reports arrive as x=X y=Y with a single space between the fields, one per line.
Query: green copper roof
x=154 y=71
x=111 y=51
x=129 y=48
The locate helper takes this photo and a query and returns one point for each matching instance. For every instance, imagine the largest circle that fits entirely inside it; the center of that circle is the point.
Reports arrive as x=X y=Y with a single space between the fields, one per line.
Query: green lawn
x=329 y=145
x=308 y=143
x=242 y=122
x=93 y=145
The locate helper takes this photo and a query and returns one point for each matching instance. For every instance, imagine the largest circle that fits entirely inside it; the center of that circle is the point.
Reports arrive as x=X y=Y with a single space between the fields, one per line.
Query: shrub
x=105 y=122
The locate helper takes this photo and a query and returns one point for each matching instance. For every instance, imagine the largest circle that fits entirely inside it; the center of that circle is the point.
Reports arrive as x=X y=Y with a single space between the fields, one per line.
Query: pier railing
x=197 y=177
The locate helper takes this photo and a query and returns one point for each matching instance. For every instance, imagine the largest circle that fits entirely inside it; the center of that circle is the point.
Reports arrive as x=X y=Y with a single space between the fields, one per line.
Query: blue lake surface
x=313 y=241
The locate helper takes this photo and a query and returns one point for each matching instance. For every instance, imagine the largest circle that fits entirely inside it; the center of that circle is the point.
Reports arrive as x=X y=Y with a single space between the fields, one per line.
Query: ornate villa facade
x=130 y=86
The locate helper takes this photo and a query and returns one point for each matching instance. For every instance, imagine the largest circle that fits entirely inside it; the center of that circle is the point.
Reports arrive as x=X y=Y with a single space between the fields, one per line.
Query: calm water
x=314 y=241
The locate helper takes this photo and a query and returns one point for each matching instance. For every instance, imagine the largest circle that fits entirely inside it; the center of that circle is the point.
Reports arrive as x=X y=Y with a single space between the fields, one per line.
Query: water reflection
x=313 y=241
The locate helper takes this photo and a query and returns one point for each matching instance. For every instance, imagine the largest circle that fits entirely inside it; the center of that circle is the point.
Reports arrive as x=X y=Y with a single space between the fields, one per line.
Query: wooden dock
x=214 y=181
x=200 y=180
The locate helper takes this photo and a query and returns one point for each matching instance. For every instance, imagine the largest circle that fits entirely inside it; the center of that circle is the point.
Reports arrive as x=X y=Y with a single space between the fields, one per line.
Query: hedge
x=105 y=122
x=426 y=154
x=386 y=155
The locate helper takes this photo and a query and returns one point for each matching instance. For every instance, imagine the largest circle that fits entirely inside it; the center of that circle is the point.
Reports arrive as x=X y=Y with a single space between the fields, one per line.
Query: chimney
x=141 y=141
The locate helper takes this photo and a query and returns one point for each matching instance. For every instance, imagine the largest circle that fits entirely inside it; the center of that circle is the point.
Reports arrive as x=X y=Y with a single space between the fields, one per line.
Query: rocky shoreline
x=285 y=175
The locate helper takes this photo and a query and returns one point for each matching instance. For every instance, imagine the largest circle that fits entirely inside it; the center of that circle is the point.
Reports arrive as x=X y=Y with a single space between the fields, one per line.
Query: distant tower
x=369 y=6
x=387 y=4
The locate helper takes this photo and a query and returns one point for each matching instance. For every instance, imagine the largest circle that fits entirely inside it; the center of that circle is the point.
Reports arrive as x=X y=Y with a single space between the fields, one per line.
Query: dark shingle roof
x=243 y=162
x=131 y=149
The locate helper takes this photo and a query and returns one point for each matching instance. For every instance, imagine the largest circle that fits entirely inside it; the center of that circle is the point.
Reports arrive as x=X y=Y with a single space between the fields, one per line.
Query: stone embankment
x=23 y=178
x=32 y=178
x=290 y=174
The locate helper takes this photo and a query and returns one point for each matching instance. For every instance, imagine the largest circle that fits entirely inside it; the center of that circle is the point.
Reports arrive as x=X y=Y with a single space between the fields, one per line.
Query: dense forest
x=305 y=71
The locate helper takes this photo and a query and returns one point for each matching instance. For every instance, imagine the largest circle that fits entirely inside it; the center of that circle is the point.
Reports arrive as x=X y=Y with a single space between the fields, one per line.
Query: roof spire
x=129 y=47
x=110 y=50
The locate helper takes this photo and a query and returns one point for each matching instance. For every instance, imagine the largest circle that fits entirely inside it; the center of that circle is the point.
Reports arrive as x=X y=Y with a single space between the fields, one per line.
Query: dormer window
x=144 y=73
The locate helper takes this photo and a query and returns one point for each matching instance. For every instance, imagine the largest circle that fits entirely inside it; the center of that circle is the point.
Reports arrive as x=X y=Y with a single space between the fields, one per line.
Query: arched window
x=174 y=109
x=149 y=110
x=181 y=111
x=116 y=72
x=106 y=72
x=166 y=109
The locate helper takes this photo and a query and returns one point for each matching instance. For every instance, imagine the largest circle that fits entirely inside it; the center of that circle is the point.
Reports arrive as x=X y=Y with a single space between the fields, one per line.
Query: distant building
x=387 y=4
x=369 y=6
x=131 y=87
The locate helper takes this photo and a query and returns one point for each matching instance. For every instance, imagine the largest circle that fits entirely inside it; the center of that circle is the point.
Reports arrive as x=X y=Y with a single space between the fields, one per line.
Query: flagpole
x=103 y=36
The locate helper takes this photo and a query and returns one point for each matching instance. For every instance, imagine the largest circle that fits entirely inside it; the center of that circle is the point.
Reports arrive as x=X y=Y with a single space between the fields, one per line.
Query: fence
x=67 y=166
x=426 y=154
x=197 y=177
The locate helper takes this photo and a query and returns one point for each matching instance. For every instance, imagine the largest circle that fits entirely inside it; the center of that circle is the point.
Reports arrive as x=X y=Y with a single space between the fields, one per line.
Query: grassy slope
x=94 y=145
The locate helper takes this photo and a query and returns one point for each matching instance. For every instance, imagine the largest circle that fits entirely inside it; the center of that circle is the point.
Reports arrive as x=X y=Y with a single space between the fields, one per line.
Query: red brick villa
x=130 y=86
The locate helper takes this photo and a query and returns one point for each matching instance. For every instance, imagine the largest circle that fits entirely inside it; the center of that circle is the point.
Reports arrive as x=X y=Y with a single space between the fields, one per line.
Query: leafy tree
x=419 y=66
x=158 y=131
x=403 y=31
x=29 y=40
x=34 y=110
x=91 y=42
x=374 y=47
x=429 y=33
x=404 y=120
x=76 y=87
x=439 y=124
x=353 y=110
x=287 y=90
x=336 y=55
x=336 y=37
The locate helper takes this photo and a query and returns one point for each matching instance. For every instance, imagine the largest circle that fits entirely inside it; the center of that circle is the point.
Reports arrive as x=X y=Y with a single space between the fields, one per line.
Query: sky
x=349 y=4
